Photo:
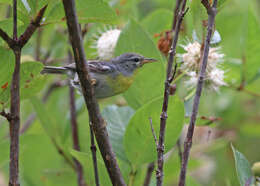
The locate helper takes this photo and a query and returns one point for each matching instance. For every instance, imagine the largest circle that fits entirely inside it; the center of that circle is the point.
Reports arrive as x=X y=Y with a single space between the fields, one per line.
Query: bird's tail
x=54 y=70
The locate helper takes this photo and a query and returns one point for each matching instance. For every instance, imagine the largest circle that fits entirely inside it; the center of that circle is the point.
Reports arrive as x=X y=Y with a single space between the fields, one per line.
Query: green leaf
x=86 y=161
x=117 y=119
x=134 y=39
x=31 y=81
x=243 y=168
x=90 y=11
x=139 y=142
x=252 y=48
x=162 y=18
x=6 y=70
x=46 y=118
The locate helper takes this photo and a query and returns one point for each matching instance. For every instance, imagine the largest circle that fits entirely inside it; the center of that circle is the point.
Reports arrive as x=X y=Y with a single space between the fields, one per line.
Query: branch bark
x=74 y=129
x=94 y=155
x=14 y=119
x=149 y=173
x=169 y=78
x=212 y=11
x=99 y=125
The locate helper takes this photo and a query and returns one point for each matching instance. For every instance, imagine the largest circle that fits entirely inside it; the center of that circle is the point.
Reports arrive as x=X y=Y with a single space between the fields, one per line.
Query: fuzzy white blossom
x=191 y=60
x=106 y=44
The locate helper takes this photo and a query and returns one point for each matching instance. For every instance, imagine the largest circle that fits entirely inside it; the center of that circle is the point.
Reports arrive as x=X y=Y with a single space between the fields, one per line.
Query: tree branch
x=74 y=129
x=6 y=38
x=35 y=23
x=98 y=123
x=94 y=155
x=14 y=119
x=188 y=141
x=169 y=78
x=149 y=173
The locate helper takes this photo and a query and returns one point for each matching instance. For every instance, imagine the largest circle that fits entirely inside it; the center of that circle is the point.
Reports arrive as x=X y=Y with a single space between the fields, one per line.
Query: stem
x=94 y=155
x=75 y=136
x=169 y=78
x=15 y=122
x=15 y=109
x=188 y=141
x=14 y=119
x=98 y=123
x=149 y=173
x=15 y=20
x=74 y=128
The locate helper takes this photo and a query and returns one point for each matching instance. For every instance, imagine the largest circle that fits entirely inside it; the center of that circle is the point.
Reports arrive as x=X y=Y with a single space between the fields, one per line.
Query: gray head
x=129 y=62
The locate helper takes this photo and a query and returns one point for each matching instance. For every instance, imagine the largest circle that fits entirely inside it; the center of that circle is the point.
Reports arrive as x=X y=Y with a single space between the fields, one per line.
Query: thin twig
x=35 y=23
x=169 y=78
x=149 y=173
x=94 y=155
x=74 y=129
x=15 y=20
x=179 y=149
x=98 y=123
x=188 y=141
x=63 y=154
x=154 y=135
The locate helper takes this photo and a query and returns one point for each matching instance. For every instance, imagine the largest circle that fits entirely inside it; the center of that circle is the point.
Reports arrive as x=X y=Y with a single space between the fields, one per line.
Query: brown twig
x=94 y=155
x=16 y=45
x=74 y=129
x=169 y=78
x=149 y=173
x=35 y=23
x=154 y=135
x=63 y=154
x=179 y=149
x=188 y=141
x=98 y=123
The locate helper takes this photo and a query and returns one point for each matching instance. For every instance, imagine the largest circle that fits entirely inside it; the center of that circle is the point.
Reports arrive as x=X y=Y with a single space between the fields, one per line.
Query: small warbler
x=108 y=78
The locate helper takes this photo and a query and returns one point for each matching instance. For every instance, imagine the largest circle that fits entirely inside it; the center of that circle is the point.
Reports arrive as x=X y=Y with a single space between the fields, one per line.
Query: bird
x=109 y=77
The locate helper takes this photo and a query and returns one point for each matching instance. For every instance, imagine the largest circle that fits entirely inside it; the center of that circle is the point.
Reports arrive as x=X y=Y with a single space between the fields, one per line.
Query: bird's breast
x=120 y=83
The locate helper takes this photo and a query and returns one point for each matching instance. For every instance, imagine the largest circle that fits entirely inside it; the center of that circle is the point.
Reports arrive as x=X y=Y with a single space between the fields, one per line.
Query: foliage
x=143 y=23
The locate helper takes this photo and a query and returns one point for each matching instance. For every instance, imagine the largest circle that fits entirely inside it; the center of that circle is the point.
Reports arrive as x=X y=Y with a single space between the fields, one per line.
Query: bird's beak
x=148 y=60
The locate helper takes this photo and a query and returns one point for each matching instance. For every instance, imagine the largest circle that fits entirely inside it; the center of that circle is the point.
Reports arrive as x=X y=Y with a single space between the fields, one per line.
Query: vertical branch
x=188 y=141
x=15 y=109
x=98 y=123
x=169 y=78
x=94 y=155
x=74 y=128
x=14 y=117
x=14 y=20
x=149 y=173
x=15 y=122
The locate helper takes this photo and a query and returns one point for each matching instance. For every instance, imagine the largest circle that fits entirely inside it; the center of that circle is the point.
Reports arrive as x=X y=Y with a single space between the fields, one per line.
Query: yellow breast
x=121 y=83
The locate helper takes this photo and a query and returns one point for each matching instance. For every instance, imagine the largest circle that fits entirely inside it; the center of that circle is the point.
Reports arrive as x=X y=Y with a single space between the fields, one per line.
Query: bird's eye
x=136 y=59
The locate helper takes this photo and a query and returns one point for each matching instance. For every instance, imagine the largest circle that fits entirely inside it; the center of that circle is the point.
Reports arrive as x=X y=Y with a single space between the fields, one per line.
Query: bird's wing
x=95 y=67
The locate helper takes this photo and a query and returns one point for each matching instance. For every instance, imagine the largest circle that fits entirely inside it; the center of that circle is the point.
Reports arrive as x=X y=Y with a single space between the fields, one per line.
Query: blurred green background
x=211 y=164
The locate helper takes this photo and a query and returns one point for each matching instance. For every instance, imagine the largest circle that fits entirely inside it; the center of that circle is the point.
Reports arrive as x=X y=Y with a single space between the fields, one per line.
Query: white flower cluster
x=106 y=44
x=191 y=65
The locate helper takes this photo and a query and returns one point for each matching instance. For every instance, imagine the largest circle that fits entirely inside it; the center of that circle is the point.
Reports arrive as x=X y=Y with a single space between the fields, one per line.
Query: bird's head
x=129 y=62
